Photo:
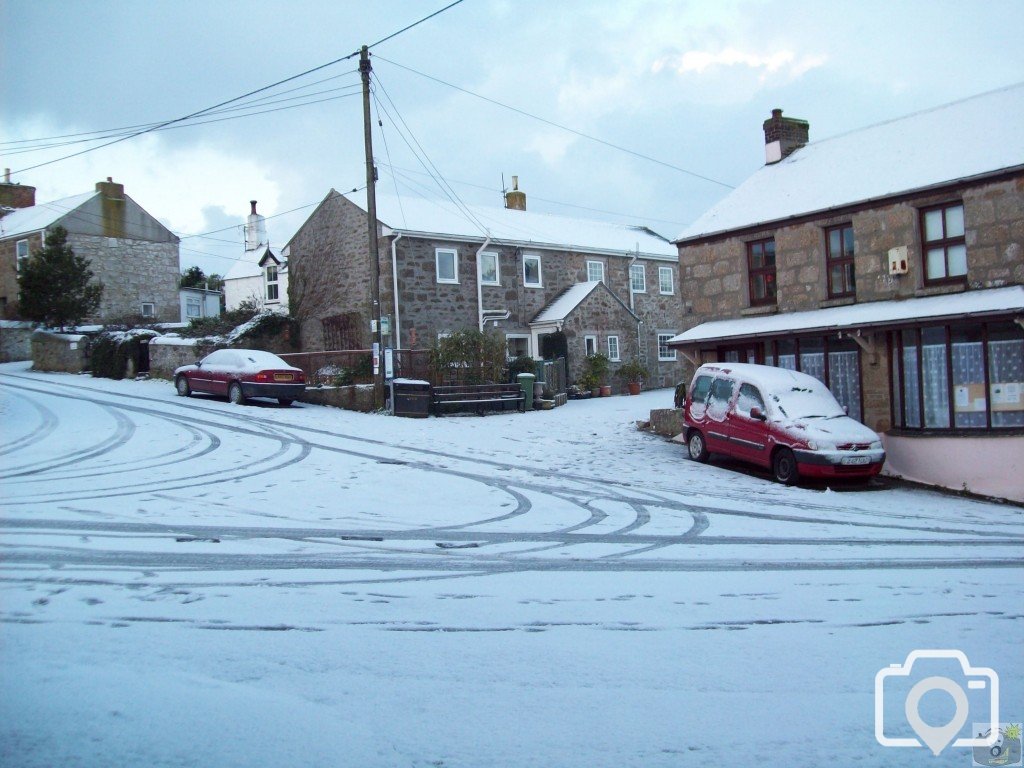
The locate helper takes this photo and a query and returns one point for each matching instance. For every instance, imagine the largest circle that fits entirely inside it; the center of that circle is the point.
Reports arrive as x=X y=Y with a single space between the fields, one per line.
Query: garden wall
x=68 y=353
x=15 y=340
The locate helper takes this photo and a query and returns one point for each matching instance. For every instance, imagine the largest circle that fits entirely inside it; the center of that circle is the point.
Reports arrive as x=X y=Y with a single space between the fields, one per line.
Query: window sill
x=837 y=301
x=935 y=289
x=760 y=309
x=957 y=432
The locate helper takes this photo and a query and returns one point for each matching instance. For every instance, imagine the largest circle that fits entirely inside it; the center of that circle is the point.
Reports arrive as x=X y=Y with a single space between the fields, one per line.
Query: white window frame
x=497 y=268
x=193 y=307
x=454 y=253
x=21 y=256
x=591 y=265
x=634 y=270
x=670 y=355
x=151 y=307
x=272 y=269
x=613 y=355
x=540 y=274
x=529 y=344
x=589 y=345
x=662 y=272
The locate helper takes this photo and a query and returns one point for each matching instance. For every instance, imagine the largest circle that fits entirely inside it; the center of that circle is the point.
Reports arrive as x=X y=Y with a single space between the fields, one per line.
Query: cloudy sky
x=686 y=85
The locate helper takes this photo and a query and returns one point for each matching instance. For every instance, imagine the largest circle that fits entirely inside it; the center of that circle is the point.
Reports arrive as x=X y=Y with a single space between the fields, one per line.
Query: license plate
x=856 y=460
x=282 y=377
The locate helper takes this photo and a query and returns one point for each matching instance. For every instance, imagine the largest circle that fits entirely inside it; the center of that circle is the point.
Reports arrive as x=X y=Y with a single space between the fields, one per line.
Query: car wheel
x=696 y=446
x=181 y=384
x=235 y=393
x=285 y=401
x=784 y=466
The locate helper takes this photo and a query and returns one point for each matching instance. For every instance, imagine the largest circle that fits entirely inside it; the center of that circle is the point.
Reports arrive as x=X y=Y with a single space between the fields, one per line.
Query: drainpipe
x=394 y=288
x=629 y=277
x=479 y=286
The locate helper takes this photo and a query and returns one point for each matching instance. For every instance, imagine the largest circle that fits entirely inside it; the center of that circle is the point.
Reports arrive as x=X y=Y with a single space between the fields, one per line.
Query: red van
x=783 y=420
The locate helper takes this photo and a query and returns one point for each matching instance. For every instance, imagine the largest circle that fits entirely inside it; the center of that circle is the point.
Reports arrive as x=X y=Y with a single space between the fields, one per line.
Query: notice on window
x=1006 y=396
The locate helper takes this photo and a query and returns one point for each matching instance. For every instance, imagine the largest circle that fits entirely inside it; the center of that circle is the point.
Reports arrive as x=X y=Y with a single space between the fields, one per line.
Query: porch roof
x=869 y=315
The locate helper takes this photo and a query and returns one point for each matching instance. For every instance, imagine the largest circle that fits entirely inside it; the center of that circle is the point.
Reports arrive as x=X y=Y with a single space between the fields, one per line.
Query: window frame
x=843 y=261
x=540 y=272
x=670 y=355
x=589 y=344
x=271 y=280
x=192 y=303
x=945 y=243
x=662 y=271
x=634 y=270
x=152 y=309
x=617 y=356
x=454 y=253
x=497 y=268
x=768 y=271
x=518 y=337
x=19 y=256
x=600 y=266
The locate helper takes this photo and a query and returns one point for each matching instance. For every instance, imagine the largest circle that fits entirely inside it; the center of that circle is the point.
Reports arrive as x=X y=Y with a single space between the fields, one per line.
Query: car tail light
x=262 y=377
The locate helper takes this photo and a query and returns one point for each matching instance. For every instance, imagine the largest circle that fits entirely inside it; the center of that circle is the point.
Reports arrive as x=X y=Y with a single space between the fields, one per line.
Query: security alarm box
x=898 y=263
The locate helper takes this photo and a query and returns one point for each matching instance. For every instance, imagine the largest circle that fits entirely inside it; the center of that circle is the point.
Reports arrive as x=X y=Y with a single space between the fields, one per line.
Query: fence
x=355 y=366
x=552 y=374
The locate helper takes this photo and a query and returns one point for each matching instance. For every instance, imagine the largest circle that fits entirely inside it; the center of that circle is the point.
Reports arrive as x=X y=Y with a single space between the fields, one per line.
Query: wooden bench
x=477 y=397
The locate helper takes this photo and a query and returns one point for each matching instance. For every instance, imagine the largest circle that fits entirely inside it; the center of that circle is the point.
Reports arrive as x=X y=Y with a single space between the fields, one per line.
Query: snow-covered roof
x=420 y=216
x=992 y=301
x=249 y=264
x=24 y=221
x=969 y=138
x=564 y=304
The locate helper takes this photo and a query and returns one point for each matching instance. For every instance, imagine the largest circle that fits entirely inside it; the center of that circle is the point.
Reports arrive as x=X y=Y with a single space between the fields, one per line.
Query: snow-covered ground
x=190 y=583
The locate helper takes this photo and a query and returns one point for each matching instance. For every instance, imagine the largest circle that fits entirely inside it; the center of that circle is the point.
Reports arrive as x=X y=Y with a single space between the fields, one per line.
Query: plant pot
x=634 y=387
x=595 y=392
x=606 y=390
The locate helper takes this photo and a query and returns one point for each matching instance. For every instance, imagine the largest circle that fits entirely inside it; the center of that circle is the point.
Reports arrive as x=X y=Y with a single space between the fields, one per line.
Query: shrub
x=111 y=351
x=522 y=364
x=469 y=357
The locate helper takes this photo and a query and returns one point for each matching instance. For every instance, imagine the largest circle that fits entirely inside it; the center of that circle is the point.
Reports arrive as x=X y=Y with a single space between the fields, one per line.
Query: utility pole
x=371 y=211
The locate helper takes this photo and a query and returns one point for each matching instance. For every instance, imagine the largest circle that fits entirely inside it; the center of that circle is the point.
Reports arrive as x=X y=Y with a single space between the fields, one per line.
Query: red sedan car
x=239 y=374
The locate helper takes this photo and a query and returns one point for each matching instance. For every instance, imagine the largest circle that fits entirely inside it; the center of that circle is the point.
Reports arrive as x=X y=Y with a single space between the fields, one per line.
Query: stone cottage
x=132 y=254
x=445 y=268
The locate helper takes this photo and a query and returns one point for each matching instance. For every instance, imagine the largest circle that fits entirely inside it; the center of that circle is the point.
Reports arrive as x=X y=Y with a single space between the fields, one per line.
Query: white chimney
x=255 y=229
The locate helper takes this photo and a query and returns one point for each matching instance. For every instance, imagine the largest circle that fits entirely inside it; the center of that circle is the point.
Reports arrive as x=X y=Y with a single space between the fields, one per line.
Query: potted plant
x=634 y=372
x=595 y=372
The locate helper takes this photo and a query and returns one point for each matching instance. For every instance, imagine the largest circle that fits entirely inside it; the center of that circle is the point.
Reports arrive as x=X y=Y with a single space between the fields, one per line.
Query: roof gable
x=967 y=139
x=569 y=301
x=23 y=221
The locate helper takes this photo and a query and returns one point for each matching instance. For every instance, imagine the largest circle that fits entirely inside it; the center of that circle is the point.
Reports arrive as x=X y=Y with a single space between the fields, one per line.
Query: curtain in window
x=844 y=379
x=936 y=379
x=968 y=357
x=911 y=382
x=1006 y=375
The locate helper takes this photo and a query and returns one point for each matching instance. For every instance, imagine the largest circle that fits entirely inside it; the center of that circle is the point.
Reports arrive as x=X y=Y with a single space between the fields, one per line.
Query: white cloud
x=785 y=63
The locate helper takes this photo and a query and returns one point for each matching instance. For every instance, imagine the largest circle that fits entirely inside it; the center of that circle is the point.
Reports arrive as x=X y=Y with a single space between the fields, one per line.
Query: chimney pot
x=253 y=204
x=110 y=179
x=516 y=199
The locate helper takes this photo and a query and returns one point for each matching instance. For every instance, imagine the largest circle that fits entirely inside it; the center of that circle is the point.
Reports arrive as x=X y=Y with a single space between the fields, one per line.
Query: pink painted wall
x=992 y=466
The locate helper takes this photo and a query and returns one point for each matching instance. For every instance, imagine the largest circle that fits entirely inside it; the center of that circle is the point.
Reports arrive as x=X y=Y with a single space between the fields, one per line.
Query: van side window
x=749 y=398
x=701 y=386
x=719 y=397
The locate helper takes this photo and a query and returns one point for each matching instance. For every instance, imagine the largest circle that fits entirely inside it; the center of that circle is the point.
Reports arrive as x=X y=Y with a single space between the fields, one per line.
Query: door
x=716 y=414
x=749 y=435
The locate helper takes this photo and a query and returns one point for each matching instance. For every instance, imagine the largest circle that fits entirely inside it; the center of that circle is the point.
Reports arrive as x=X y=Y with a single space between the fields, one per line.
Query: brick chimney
x=110 y=189
x=783 y=136
x=515 y=199
x=15 y=195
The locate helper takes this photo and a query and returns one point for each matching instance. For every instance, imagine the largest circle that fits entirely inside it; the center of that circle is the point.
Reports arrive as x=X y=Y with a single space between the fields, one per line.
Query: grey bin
x=526 y=384
x=410 y=398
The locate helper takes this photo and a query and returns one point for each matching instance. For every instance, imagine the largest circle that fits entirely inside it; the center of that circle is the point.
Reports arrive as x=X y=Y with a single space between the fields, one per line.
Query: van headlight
x=812 y=445
x=876 y=446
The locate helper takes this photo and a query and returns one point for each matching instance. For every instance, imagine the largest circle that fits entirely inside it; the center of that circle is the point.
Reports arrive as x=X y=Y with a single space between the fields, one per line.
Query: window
x=22 y=251
x=148 y=309
x=613 y=348
x=531 y=272
x=962 y=377
x=272 y=284
x=517 y=345
x=761 y=271
x=945 y=249
x=193 y=307
x=666 y=281
x=595 y=271
x=489 y=269
x=664 y=351
x=447 y=261
x=839 y=258
x=637 y=279
x=749 y=398
x=701 y=387
x=590 y=345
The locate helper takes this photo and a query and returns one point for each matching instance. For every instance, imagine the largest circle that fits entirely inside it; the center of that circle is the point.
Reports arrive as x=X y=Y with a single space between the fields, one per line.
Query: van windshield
x=809 y=402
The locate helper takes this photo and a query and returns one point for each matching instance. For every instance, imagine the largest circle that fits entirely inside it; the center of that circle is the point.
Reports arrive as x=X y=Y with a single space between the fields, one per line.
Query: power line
x=553 y=124
x=237 y=98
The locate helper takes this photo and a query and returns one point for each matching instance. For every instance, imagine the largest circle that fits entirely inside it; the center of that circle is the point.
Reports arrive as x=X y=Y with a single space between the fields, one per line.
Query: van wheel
x=235 y=395
x=784 y=466
x=696 y=446
x=285 y=401
x=184 y=390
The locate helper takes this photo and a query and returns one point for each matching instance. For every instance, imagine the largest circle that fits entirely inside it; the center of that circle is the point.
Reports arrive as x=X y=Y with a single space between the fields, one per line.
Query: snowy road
x=554 y=586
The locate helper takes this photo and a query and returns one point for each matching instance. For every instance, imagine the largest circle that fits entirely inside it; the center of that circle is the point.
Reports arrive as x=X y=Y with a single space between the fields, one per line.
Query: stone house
x=261 y=275
x=444 y=269
x=888 y=262
x=132 y=254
